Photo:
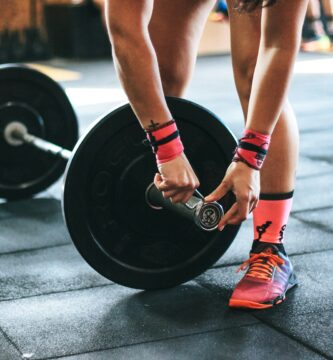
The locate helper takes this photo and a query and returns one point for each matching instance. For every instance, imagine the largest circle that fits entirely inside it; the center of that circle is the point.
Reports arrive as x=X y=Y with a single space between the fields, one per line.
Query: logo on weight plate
x=209 y=217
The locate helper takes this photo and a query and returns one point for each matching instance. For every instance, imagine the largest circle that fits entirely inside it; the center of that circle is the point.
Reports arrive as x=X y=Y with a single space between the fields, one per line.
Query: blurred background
x=41 y=29
x=75 y=29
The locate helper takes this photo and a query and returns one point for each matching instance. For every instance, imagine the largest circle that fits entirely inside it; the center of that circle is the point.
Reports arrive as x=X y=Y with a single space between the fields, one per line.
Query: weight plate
x=104 y=205
x=41 y=105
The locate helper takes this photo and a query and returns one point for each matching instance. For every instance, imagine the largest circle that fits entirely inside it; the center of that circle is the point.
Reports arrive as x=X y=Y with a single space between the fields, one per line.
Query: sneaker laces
x=261 y=265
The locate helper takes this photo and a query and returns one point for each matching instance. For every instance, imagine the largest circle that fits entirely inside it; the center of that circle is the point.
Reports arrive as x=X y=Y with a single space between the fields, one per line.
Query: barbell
x=119 y=222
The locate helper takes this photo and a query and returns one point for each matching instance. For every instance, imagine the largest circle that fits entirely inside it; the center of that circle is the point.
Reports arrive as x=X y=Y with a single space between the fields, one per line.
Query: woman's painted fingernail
x=220 y=228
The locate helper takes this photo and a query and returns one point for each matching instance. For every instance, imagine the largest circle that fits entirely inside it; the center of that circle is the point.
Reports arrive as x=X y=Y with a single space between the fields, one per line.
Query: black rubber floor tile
x=320 y=218
x=106 y=317
x=313 y=110
x=299 y=238
x=313 y=193
x=318 y=145
x=313 y=329
x=314 y=293
x=309 y=168
x=7 y=350
x=29 y=208
x=248 y=342
x=45 y=271
x=31 y=224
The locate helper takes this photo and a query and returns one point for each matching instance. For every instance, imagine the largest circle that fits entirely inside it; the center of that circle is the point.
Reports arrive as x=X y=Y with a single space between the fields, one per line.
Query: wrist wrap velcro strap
x=252 y=149
x=165 y=142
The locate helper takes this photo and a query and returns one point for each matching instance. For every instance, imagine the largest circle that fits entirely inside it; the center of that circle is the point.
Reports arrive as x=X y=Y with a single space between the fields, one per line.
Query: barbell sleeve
x=205 y=215
x=46 y=146
x=17 y=134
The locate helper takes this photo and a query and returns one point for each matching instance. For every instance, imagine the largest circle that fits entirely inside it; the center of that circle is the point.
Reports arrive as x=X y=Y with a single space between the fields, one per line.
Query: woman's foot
x=269 y=275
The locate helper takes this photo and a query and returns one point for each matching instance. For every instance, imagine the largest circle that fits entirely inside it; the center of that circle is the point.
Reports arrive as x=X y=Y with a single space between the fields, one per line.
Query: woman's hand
x=176 y=179
x=244 y=182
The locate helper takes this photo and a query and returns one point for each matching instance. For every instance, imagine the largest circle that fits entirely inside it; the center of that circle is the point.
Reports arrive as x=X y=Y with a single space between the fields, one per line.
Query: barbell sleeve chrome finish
x=205 y=215
x=46 y=146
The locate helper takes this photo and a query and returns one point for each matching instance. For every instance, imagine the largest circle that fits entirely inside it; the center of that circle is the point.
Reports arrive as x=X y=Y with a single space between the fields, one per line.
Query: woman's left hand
x=244 y=182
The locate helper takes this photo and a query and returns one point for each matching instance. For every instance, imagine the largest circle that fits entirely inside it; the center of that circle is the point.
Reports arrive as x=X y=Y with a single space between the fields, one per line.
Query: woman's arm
x=280 y=41
x=135 y=58
x=137 y=68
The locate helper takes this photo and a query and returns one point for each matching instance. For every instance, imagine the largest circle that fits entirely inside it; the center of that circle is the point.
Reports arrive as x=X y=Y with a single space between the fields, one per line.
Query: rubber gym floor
x=53 y=305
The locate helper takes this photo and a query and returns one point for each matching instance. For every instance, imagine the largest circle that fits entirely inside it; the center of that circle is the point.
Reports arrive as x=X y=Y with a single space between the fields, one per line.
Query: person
x=220 y=12
x=318 y=26
x=154 y=46
x=328 y=16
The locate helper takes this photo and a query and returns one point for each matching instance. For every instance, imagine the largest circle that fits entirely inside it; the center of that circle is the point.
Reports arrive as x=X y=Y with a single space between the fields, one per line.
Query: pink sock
x=271 y=216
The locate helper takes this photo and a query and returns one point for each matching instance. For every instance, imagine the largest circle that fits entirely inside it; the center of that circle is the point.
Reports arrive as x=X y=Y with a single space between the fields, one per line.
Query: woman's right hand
x=176 y=179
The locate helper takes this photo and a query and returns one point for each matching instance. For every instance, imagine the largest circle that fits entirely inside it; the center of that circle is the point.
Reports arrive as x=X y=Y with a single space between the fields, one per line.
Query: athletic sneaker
x=268 y=277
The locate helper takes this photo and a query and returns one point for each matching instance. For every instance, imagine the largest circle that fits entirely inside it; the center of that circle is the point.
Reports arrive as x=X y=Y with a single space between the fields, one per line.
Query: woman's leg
x=175 y=29
x=277 y=178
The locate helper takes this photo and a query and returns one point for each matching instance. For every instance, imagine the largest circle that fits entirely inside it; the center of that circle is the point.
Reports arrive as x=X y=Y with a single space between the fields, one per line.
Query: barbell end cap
x=14 y=133
x=208 y=215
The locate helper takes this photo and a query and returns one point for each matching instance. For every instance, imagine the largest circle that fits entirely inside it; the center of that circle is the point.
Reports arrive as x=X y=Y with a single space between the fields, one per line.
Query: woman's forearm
x=139 y=74
x=135 y=58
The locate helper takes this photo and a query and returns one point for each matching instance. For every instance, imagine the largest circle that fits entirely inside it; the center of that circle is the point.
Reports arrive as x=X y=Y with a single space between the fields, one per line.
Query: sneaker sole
x=246 y=304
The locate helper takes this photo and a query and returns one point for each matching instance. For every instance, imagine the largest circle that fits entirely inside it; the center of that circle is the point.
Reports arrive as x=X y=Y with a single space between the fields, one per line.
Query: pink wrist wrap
x=165 y=142
x=252 y=149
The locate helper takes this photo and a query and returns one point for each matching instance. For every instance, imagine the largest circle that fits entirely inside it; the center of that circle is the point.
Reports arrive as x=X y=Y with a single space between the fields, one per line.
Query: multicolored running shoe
x=268 y=277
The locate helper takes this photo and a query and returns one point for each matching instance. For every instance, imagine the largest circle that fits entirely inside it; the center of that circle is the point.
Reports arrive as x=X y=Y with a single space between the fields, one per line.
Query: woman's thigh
x=175 y=28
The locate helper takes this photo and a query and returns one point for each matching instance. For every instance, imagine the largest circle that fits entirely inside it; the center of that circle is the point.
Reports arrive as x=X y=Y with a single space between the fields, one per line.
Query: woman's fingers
x=238 y=212
x=227 y=216
x=253 y=205
x=218 y=193
x=158 y=180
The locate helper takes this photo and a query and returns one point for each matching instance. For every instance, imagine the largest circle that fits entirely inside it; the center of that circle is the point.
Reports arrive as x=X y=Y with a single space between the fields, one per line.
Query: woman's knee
x=244 y=70
x=174 y=80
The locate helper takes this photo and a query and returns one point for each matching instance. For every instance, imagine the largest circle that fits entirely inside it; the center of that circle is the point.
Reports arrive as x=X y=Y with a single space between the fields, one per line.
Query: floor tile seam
x=316 y=129
x=310 y=176
x=17 y=252
x=55 y=293
x=290 y=255
x=212 y=291
x=328 y=207
x=313 y=312
x=313 y=157
x=293 y=337
x=314 y=224
x=169 y=338
x=311 y=252
x=38 y=212
x=10 y=341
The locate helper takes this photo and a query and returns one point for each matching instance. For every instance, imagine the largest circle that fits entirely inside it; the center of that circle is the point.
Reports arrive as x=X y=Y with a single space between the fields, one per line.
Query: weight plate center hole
x=14 y=133
x=149 y=200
